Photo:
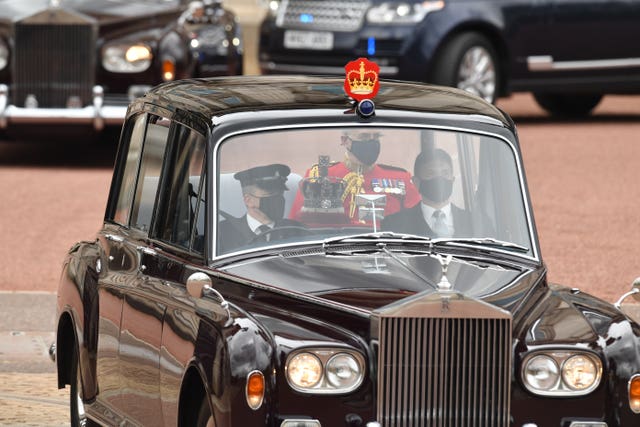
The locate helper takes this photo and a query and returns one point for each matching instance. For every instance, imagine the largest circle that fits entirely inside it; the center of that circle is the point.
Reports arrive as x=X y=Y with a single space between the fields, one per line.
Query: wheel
x=205 y=418
x=470 y=62
x=568 y=105
x=77 y=414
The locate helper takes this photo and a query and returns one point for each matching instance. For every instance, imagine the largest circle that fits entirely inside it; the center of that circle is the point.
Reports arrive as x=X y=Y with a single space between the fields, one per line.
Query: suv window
x=182 y=209
x=153 y=151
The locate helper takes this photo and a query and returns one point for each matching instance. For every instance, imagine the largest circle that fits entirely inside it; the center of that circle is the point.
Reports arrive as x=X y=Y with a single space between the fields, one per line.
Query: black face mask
x=366 y=151
x=273 y=206
x=436 y=189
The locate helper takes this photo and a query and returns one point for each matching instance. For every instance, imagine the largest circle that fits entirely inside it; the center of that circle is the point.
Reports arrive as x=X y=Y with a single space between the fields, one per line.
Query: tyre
x=78 y=416
x=568 y=105
x=469 y=62
x=205 y=418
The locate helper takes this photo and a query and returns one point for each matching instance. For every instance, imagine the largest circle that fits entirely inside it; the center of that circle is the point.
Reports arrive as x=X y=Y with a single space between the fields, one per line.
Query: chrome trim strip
x=546 y=63
x=309 y=69
x=214 y=228
x=633 y=377
x=4 y=97
x=97 y=114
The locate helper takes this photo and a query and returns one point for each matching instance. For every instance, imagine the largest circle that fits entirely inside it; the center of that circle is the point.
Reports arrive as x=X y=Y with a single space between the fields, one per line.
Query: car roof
x=225 y=95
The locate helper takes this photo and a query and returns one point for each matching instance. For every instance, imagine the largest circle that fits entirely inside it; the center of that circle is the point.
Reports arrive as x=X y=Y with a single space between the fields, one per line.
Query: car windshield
x=281 y=187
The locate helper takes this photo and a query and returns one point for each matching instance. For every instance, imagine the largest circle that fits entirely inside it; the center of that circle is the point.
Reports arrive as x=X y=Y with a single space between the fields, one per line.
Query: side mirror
x=199 y=285
x=196 y=284
x=631 y=310
x=635 y=286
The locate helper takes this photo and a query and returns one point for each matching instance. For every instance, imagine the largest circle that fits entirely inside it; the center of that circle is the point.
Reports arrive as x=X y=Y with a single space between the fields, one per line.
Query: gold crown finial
x=363 y=81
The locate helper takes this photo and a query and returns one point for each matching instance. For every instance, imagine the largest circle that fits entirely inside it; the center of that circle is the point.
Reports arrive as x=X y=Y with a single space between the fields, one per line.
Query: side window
x=182 y=204
x=130 y=172
x=153 y=151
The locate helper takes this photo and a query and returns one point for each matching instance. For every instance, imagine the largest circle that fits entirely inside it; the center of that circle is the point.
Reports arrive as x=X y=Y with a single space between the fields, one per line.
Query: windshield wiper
x=482 y=241
x=380 y=236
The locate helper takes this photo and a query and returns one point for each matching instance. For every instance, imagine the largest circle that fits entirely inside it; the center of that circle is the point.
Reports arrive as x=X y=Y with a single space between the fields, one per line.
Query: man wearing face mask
x=360 y=174
x=436 y=216
x=263 y=190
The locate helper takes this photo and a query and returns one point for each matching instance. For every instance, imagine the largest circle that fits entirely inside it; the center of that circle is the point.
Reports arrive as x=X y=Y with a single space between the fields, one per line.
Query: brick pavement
x=28 y=387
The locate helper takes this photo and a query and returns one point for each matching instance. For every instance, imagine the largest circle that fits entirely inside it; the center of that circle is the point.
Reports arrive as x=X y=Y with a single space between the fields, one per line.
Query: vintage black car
x=266 y=260
x=81 y=62
x=568 y=53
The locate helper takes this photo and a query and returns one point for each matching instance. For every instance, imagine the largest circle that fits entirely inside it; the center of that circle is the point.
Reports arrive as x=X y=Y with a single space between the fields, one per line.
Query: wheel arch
x=192 y=391
x=65 y=346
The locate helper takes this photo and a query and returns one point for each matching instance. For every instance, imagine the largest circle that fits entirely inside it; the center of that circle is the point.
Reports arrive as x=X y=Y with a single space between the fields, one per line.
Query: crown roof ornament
x=361 y=81
x=362 y=84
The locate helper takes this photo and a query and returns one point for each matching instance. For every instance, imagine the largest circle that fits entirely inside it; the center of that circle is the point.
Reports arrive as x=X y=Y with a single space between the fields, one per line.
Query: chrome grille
x=322 y=15
x=53 y=63
x=444 y=371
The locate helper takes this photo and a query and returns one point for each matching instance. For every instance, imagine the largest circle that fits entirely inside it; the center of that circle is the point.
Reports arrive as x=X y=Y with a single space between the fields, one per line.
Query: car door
x=131 y=300
x=144 y=303
x=120 y=269
x=592 y=36
x=180 y=231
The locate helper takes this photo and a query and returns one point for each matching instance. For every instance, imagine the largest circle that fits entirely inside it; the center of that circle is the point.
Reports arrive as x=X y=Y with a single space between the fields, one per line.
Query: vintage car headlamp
x=126 y=58
x=343 y=371
x=325 y=370
x=402 y=12
x=4 y=54
x=304 y=370
x=541 y=372
x=579 y=372
x=561 y=373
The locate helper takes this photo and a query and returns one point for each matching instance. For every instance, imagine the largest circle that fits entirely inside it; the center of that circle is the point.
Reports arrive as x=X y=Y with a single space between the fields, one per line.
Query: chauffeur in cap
x=263 y=195
x=362 y=175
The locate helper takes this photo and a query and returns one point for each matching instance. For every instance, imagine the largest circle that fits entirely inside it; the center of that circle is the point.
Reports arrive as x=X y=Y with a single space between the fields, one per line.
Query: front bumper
x=98 y=114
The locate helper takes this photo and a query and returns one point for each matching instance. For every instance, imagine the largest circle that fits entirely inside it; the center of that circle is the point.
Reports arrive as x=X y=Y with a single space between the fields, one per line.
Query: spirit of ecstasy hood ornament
x=444 y=284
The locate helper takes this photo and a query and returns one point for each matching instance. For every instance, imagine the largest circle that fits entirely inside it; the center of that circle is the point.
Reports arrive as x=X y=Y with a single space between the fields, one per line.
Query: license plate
x=316 y=40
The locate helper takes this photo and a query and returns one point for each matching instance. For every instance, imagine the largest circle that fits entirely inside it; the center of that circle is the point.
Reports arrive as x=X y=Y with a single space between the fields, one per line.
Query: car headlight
x=402 y=12
x=4 y=54
x=541 y=372
x=325 y=370
x=126 y=58
x=579 y=372
x=304 y=370
x=561 y=373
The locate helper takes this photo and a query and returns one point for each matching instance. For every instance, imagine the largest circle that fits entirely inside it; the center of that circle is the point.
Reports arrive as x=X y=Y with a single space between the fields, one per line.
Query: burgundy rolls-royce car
x=294 y=251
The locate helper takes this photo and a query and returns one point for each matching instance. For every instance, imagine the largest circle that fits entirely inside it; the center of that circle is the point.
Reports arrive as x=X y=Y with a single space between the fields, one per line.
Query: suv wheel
x=568 y=105
x=469 y=62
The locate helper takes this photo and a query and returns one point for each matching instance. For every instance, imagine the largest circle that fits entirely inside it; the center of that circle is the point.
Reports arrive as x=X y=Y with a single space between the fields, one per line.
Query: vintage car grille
x=445 y=371
x=322 y=15
x=53 y=62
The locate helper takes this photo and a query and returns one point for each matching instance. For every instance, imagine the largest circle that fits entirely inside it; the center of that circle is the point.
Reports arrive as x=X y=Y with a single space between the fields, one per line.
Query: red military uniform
x=391 y=181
